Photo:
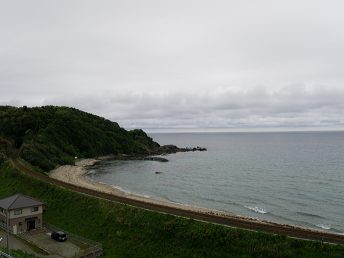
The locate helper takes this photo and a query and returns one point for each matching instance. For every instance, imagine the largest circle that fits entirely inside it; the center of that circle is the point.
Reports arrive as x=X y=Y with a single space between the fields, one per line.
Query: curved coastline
x=76 y=175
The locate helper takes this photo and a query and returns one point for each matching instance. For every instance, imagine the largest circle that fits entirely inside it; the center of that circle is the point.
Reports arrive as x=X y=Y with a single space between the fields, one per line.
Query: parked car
x=59 y=236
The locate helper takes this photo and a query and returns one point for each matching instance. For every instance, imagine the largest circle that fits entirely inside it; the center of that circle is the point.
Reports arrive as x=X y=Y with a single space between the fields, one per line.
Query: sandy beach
x=76 y=175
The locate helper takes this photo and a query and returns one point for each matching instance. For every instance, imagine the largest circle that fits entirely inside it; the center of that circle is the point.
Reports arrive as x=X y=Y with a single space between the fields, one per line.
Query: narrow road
x=212 y=218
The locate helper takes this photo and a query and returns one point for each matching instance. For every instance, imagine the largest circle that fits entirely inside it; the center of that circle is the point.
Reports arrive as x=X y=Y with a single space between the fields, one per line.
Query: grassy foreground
x=126 y=231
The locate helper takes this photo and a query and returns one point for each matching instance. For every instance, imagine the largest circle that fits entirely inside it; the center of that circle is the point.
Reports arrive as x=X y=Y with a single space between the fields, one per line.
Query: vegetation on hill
x=127 y=231
x=49 y=136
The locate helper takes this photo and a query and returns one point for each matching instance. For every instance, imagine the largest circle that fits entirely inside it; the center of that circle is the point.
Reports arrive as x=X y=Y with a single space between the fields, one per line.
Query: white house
x=21 y=213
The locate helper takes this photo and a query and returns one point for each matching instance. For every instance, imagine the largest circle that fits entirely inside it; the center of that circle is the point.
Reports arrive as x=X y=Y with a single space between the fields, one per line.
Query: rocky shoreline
x=169 y=149
x=155 y=155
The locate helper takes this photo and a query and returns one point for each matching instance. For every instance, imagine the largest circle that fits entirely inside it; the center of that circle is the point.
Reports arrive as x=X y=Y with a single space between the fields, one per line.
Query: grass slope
x=127 y=231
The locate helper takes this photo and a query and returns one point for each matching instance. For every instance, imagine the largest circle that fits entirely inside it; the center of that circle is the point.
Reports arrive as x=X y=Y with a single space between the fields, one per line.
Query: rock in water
x=156 y=159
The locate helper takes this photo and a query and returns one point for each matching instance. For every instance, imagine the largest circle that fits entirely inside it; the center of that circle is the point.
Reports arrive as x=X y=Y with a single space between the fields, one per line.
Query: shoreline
x=76 y=175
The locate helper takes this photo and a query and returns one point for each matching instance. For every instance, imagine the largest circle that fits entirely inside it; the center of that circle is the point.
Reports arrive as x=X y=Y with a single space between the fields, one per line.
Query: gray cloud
x=259 y=107
x=191 y=64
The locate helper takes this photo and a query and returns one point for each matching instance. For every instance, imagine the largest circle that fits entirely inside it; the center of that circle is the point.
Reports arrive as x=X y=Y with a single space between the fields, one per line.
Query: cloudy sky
x=181 y=64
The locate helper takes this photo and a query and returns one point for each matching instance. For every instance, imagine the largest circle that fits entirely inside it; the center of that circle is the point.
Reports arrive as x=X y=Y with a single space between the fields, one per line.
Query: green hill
x=49 y=136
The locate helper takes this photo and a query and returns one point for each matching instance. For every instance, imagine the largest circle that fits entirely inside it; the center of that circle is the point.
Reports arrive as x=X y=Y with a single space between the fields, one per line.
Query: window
x=34 y=209
x=17 y=212
x=2 y=210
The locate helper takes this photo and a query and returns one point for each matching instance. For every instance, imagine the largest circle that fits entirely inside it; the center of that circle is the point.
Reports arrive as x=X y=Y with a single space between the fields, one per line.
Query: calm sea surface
x=293 y=178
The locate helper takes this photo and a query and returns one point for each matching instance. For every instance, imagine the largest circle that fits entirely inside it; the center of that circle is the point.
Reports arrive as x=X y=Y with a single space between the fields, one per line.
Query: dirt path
x=231 y=221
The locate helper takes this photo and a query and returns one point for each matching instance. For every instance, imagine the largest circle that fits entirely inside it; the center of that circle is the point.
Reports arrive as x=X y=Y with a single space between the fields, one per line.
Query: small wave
x=257 y=209
x=324 y=226
x=125 y=191
x=120 y=189
x=309 y=215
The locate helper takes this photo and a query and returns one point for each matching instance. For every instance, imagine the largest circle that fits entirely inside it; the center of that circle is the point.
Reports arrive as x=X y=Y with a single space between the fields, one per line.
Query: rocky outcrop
x=168 y=149
x=161 y=150
x=193 y=149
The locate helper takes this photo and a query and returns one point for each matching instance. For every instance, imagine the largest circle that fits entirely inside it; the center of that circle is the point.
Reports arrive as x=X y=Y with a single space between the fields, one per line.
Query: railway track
x=237 y=222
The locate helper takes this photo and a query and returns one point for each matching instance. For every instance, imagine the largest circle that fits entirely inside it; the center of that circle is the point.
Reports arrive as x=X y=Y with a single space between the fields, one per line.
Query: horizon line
x=242 y=130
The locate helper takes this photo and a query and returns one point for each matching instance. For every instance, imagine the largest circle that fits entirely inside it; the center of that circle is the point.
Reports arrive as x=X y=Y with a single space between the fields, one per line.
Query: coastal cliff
x=50 y=136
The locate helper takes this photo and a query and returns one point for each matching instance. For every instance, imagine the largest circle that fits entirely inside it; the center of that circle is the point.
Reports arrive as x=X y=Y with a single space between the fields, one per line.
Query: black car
x=59 y=236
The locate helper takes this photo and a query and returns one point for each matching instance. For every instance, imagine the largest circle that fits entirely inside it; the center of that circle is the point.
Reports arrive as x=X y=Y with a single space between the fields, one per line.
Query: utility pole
x=8 y=230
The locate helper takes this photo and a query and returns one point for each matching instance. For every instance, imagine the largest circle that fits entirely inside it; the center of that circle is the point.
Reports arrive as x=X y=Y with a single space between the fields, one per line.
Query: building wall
x=3 y=220
x=26 y=212
x=20 y=220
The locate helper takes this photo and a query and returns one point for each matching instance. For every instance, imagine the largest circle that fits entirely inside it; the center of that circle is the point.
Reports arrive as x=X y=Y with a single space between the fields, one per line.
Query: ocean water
x=292 y=178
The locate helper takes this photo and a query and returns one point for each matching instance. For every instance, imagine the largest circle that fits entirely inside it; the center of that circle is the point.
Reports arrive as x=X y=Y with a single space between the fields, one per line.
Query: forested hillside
x=49 y=136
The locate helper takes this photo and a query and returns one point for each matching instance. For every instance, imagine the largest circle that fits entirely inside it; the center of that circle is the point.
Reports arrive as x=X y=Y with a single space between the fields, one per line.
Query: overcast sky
x=178 y=64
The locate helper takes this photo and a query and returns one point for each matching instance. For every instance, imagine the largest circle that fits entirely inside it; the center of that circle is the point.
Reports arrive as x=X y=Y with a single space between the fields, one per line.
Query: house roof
x=18 y=201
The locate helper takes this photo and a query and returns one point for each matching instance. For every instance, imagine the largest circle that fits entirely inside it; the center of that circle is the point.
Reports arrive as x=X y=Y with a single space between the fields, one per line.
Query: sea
x=294 y=178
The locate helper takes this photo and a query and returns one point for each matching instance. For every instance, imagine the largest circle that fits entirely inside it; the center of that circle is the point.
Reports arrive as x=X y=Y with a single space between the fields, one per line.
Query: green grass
x=127 y=231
